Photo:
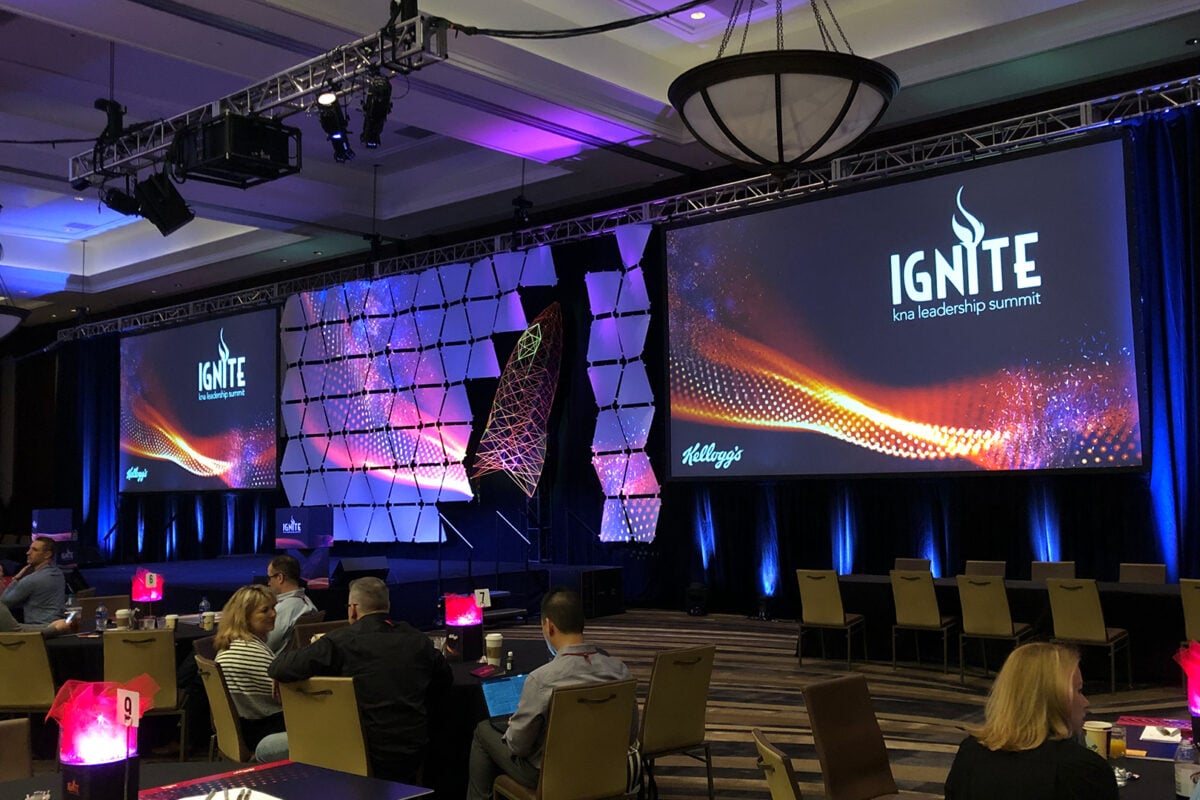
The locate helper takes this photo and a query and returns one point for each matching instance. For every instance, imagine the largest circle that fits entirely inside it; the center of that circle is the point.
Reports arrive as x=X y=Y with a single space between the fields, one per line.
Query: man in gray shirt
x=283 y=579
x=518 y=752
x=40 y=587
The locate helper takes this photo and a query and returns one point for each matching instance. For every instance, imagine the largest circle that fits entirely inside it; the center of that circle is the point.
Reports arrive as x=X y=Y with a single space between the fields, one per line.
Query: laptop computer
x=502 y=696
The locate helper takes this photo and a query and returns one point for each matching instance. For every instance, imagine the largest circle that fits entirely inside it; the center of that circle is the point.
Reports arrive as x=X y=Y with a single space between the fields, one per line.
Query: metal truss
x=1025 y=132
x=401 y=48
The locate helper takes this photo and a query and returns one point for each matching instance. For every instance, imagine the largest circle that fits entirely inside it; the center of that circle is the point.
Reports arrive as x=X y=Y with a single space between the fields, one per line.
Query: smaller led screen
x=198 y=406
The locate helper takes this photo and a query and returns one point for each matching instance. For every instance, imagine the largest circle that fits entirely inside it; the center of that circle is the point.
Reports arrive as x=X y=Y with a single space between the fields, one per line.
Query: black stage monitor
x=349 y=569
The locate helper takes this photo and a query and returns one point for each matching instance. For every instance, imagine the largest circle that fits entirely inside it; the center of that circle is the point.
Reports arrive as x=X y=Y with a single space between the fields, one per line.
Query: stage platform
x=415 y=584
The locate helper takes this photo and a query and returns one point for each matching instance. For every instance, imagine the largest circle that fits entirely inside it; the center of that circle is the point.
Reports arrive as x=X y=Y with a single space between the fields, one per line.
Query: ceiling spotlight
x=121 y=202
x=333 y=122
x=327 y=97
x=376 y=105
x=162 y=204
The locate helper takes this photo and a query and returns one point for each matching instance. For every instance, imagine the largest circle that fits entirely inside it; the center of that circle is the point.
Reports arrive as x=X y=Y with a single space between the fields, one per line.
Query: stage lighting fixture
x=376 y=105
x=116 y=119
x=333 y=122
x=162 y=204
x=121 y=202
x=327 y=97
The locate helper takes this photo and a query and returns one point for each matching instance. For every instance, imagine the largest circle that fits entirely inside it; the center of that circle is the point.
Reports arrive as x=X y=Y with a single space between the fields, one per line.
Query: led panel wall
x=620 y=309
x=374 y=401
x=976 y=320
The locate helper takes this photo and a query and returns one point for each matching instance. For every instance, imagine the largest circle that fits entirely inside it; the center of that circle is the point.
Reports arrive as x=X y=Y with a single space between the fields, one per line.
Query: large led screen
x=974 y=320
x=198 y=406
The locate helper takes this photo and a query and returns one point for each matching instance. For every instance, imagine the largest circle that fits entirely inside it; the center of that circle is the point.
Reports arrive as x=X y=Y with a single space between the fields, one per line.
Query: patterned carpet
x=757 y=683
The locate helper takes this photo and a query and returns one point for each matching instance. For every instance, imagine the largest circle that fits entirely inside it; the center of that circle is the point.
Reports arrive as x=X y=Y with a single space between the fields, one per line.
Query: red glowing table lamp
x=147 y=588
x=464 y=627
x=97 y=747
x=1189 y=658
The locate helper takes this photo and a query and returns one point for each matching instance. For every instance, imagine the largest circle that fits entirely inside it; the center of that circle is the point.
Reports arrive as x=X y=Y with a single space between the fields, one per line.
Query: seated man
x=9 y=624
x=519 y=751
x=394 y=667
x=40 y=587
x=283 y=578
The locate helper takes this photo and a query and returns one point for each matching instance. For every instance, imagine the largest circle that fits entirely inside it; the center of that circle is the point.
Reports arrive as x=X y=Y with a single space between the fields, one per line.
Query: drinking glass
x=1116 y=753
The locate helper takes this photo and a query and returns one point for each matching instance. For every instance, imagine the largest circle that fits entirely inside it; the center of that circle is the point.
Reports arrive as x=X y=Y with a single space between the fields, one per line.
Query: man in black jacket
x=395 y=667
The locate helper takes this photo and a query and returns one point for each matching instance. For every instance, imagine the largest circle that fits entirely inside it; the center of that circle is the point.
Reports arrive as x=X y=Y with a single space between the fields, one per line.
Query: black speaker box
x=349 y=569
x=600 y=589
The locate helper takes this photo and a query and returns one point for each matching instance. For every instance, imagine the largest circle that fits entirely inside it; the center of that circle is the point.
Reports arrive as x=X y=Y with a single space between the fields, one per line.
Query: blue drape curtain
x=1166 y=150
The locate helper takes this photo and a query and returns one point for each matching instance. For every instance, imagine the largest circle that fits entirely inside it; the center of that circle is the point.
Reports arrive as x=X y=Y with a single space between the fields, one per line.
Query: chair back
x=984 y=604
x=87 y=591
x=24 y=655
x=87 y=606
x=205 y=647
x=587 y=741
x=912 y=564
x=677 y=699
x=998 y=568
x=1041 y=570
x=17 y=747
x=128 y=654
x=820 y=597
x=309 y=617
x=1143 y=573
x=303 y=632
x=916 y=602
x=323 y=724
x=777 y=769
x=224 y=713
x=1189 y=590
x=1075 y=607
x=848 y=740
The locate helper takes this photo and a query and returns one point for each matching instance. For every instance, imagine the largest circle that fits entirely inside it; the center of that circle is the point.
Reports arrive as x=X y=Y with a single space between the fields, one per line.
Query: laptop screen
x=503 y=694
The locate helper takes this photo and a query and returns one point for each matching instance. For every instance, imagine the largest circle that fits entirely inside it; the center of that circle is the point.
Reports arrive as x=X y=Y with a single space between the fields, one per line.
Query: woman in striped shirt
x=244 y=657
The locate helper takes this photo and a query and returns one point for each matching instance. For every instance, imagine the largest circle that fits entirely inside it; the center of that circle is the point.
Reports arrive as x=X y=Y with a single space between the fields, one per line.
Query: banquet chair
x=227 y=730
x=673 y=716
x=205 y=647
x=303 y=632
x=87 y=591
x=912 y=564
x=777 y=769
x=849 y=741
x=323 y=724
x=1142 y=573
x=309 y=617
x=997 y=568
x=128 y=654
x=586 y=747
x=1078 y=619
x=985 y=615
x=17 y=749
x=24 y=655
x=917 y=611
x=1041 y=570
x=87 y=607
x=821 y=609
x=1189 y=591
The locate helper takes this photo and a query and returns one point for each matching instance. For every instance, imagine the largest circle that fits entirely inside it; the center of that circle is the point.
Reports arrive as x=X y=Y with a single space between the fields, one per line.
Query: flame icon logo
x=223 y=350
x=972 y=236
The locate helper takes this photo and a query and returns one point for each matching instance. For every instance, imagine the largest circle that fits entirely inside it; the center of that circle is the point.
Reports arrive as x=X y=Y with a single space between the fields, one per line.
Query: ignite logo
x=1006 y=265
x=138 y=474
x=291 y=526
x=223 y=378
x=709 y=454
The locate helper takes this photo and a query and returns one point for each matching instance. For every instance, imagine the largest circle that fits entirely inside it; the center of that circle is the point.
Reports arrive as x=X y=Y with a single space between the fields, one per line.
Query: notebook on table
x=502 y=696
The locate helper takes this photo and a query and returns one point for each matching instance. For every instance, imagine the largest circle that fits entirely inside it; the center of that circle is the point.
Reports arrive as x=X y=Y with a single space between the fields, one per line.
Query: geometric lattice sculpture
x=374 y=401
x=620 y=309
x=514 y=440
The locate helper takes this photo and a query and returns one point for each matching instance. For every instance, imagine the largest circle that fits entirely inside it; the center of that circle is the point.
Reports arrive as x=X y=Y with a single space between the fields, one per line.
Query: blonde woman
x=1027 y=747
x=244 y=657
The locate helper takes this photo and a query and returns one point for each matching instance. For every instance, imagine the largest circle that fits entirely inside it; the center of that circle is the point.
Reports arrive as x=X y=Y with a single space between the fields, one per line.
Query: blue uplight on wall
x=230 y=519
x=199 y=520
x=1043 y=524
x=768 y=546
x=705 y=535
x=141 y=528
x=843 y=532
x=929 y=549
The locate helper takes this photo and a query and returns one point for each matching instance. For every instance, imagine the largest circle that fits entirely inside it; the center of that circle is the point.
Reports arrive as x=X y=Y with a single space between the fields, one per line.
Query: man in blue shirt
x=518 y=752
x=40 y=587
